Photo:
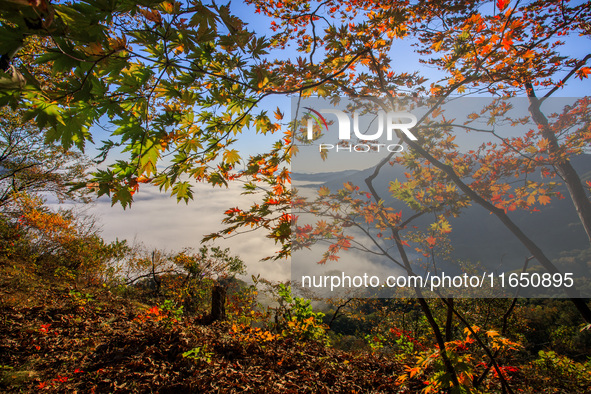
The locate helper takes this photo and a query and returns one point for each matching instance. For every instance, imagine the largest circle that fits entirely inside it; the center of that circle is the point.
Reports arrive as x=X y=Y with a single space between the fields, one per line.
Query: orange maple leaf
x=544 y=200
x=502 y=4
x=584 y=72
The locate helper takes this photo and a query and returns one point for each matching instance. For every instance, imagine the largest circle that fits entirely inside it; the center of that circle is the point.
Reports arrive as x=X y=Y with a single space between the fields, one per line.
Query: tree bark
x=449 y=320
x=218 y=303
x=562 y=164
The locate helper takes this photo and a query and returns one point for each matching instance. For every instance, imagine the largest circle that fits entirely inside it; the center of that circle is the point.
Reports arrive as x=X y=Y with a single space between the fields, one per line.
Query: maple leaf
x=543 y=144
x=502 y=4
x=231 y=156
x=152 y=15
x=531 y=200
x=584 y=72
x=278 y=114
x=444 y=227
x=544 y=199
x=323 y=191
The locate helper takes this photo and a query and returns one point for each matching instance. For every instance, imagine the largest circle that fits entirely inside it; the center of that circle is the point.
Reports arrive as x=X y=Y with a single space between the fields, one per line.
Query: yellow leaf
x=262 y=83
x=437 y=45
x=323 y=191
x=543 y=144
x=444 y=226
x=231 y=156
x=544 y=200
x=167 y=7
x=531 y=199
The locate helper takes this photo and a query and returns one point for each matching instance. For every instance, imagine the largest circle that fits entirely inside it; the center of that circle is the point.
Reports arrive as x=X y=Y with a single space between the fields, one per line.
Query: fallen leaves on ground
x=103 y=347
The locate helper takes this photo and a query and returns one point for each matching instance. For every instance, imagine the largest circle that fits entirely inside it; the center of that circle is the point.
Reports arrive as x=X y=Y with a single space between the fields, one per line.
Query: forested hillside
x=85 y=330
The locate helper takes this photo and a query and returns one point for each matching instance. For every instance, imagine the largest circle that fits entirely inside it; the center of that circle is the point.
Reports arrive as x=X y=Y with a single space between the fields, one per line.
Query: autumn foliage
x=175 y=87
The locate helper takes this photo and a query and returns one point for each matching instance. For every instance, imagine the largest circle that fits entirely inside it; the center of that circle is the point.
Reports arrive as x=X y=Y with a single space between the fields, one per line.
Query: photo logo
x=315 y=115
x=389 y=121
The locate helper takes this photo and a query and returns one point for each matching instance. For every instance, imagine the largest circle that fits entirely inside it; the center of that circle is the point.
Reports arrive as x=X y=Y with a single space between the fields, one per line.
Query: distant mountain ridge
x=477 y=235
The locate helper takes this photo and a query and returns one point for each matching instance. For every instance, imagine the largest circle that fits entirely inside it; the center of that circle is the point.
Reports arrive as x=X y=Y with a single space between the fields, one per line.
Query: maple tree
x=29 y=165
x=505 y=52
x=176 y=81
x=512 y=49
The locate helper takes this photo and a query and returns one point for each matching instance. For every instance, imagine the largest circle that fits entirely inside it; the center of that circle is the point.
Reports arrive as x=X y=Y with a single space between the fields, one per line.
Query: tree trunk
x=562 y=164
x=449 y=320
x=218 y=303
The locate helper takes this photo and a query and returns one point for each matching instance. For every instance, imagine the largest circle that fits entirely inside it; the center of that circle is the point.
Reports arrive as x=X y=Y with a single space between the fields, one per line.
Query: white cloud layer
x=156 y=220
